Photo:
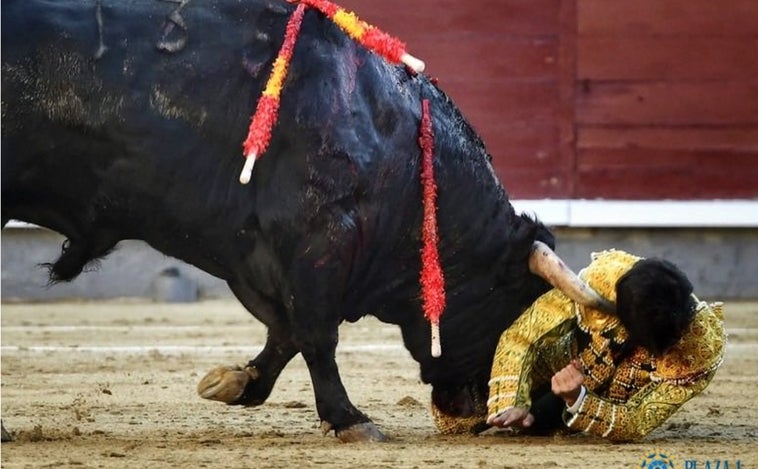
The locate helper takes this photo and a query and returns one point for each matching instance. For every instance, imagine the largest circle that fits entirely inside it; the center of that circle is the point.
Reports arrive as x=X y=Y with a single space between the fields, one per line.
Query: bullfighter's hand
x=567 y=383
x=513 y=417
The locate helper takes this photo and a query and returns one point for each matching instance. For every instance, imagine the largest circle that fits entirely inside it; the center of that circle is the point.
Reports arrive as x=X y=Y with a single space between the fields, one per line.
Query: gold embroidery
x=549 y=319
x=448 y=425
x=604 y=271
x=632 y=374
x=699 y=352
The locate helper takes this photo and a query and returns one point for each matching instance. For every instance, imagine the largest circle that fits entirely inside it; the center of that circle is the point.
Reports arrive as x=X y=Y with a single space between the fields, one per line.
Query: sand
x=112 y=384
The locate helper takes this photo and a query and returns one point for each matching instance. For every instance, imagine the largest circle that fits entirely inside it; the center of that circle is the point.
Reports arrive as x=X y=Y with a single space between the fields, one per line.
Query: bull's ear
x=544 y=262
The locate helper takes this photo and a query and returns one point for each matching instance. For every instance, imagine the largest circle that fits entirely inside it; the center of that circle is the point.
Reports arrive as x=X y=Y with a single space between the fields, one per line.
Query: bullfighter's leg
x=547 y=409
x=251 y=385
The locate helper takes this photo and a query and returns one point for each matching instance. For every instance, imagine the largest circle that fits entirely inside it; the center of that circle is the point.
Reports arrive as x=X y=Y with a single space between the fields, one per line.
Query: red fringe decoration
x=325 y=7
x=389 y=47
x=267 y=110
x=371 y=37
x=259 y=134
x=432 y=279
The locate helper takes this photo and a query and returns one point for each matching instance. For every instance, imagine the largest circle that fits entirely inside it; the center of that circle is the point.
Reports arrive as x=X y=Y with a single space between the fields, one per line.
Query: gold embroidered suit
x=624 y=401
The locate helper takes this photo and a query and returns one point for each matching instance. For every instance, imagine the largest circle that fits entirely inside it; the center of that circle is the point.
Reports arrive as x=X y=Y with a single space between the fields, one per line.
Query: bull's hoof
x=366 y=432
x=226 y=383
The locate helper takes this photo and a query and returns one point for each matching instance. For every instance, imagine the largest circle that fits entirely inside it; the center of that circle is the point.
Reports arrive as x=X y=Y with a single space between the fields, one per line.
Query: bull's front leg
x=318 y=278
x=318 y=345
x=249 y=385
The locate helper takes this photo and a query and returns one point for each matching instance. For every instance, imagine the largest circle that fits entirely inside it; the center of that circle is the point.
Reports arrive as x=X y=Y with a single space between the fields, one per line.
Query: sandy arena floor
x=112 y=384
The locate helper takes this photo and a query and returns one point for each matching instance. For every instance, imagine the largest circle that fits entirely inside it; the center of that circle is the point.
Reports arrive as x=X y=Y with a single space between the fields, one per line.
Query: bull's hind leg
x=252 y=384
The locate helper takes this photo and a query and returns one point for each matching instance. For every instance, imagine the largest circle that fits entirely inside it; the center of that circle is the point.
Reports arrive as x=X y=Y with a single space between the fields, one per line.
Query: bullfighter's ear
x=546 y=263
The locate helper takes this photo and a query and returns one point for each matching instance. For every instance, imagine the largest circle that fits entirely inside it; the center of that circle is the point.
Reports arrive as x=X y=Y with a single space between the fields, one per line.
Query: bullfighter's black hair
x=655 y=304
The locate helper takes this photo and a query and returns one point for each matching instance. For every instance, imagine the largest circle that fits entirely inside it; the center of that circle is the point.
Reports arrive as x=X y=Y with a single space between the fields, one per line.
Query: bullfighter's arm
x=515 y=363
x=682 y=373
x=635 y=418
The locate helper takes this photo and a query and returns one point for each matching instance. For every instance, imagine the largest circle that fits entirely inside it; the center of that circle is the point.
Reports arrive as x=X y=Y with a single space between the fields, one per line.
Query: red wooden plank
x=711 y=103
x=437 y=18
x=668 y=17
x=734 y=139
x=656 y=159
x=535 y=184
x=500 y=113
x=489 y=57
x=510 y=103
x=567 y=90
x=676 y=163
x=667 y=58
x=666 y=183
x=526 y=146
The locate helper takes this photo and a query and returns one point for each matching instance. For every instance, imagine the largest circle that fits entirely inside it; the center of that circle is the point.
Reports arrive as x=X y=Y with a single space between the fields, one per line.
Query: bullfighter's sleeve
x=637 y=417
x=681 y=374
x=549 y=318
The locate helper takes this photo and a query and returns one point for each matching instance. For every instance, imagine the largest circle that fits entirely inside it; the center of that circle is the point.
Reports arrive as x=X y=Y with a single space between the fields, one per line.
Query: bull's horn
x=546 y=263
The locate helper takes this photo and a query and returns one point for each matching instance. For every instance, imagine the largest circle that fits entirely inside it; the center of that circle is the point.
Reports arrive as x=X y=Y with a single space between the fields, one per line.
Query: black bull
x=124 y=120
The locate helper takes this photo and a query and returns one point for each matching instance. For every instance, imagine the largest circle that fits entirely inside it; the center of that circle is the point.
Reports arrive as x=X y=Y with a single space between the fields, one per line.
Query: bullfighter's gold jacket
x=625 y=401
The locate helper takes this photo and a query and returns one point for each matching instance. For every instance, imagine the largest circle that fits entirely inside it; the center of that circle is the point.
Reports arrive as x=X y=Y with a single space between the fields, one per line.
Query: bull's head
x=463 y=408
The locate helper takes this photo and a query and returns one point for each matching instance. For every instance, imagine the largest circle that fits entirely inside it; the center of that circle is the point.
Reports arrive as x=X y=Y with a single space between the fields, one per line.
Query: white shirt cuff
x=578 y=403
